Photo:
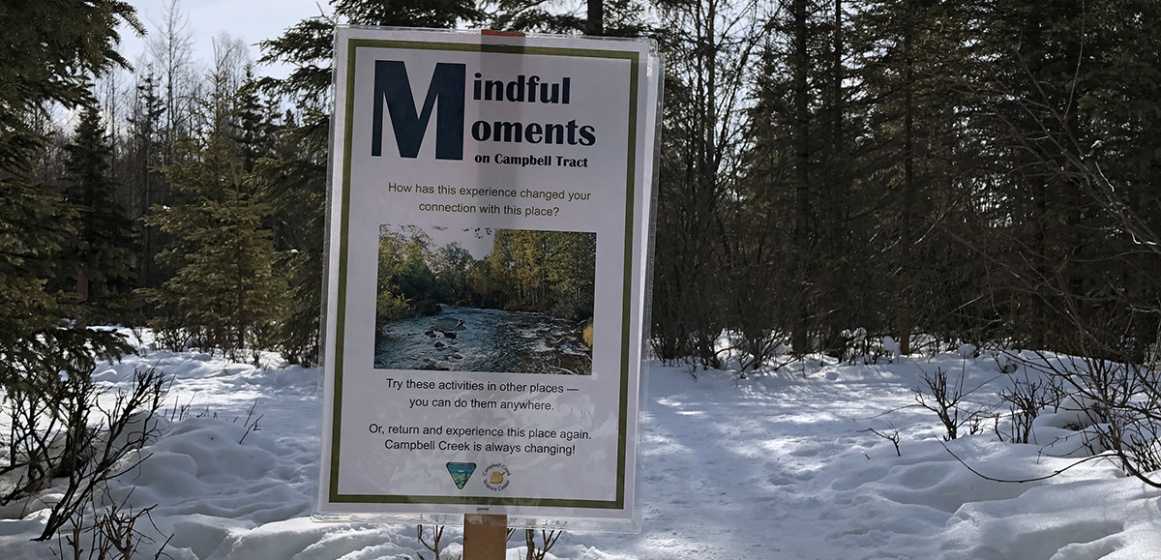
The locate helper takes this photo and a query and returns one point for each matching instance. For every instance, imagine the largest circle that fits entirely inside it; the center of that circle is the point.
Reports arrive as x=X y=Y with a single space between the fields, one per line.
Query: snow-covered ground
x=780 y=465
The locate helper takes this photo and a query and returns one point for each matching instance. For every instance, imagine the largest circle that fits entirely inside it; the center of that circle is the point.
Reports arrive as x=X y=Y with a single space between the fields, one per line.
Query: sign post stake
x=485 y=537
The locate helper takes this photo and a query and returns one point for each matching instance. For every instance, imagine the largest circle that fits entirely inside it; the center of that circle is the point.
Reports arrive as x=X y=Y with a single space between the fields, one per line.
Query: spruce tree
x=226 y=292
x=97 y=259
x=48 y=47
x=1067 y=95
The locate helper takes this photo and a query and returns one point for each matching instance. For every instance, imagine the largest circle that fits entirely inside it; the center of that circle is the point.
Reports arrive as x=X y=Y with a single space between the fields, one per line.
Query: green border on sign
x=619 y=503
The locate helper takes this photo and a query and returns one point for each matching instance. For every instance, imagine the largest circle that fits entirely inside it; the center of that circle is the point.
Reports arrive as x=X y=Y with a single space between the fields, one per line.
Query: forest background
x=831 y=172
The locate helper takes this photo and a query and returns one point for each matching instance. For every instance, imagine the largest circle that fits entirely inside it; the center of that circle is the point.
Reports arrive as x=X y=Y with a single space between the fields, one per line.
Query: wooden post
x=485 y=537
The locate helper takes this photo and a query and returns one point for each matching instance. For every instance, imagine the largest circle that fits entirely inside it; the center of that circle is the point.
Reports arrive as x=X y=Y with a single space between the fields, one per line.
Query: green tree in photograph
x=543 y=271
x=407 y=286
x=452 y=264
x=390 y=304
x=415 y=279
x=529 y=256
x=571 y=273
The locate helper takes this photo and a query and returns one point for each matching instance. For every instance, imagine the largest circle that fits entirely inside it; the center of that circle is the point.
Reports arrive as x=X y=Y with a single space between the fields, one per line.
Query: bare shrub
x=64 y=430
x=892 y=436
x=945 y=397
x=113 y=534
x=1025 y=399
x=434 y=546
x=1122 y=401
x=537 y=551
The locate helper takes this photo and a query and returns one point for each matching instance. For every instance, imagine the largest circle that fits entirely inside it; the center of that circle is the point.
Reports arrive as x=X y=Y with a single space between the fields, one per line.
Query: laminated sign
x=487 y=272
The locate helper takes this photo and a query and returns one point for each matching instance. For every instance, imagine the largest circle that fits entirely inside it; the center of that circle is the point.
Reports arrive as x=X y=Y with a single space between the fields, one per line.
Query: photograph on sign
x=487 y=265
x=524 y=306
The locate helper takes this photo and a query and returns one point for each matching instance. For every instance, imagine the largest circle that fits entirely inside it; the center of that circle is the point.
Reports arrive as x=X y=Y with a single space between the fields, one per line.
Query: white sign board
x=486 y=274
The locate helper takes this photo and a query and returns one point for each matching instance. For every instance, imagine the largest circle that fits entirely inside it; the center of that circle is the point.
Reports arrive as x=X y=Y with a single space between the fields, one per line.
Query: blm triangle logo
x=461 y=472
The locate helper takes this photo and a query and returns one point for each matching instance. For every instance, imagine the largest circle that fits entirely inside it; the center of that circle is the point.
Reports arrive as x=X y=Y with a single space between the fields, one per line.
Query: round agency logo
x=496 y=476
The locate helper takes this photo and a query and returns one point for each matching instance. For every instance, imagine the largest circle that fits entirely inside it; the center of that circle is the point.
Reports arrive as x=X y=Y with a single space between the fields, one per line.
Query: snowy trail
x=778 y=466
x=742 y=470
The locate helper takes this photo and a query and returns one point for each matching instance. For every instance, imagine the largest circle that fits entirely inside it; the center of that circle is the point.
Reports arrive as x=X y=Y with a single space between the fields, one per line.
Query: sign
x=486 y=275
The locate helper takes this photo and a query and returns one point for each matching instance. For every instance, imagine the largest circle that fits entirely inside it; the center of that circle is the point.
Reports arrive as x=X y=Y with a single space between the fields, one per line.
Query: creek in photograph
x=516 y=301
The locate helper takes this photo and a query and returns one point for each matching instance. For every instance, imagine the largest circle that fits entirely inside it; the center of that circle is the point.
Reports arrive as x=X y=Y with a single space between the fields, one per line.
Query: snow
x=891 y=348
x=779 y=465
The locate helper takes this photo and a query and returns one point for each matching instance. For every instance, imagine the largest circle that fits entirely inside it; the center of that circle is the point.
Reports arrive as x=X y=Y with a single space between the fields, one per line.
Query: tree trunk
x=906 y=277
x=596 y=24
x=800 y=340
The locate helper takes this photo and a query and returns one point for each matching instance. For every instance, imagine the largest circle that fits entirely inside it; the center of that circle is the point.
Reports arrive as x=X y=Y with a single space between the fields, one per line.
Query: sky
x=249 y=20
